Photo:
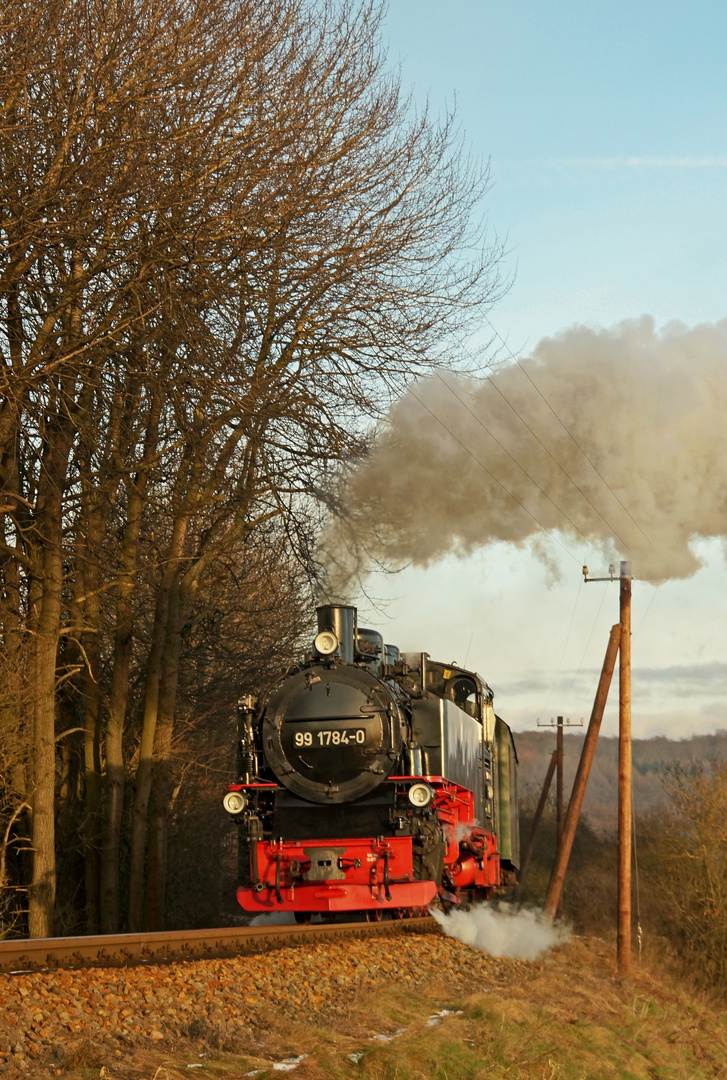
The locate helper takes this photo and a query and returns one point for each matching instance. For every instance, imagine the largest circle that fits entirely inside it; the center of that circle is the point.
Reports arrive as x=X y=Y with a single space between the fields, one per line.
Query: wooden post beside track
x=559 y=781
x=623 y=940
x=555 y=885
x=530 y=843
x=559 y=796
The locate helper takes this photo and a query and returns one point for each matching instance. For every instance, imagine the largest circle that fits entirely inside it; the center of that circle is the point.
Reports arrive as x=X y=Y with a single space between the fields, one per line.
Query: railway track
x=34 y=954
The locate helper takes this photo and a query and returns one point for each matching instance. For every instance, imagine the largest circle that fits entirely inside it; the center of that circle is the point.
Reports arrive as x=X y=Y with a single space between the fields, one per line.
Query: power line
x=567 y=475
x=567 y=639
x=585 y=455
x=643 y=617
x=492 y=476
x=523 y=469
x=588 y=642
x=568 y=433
x=537 y=438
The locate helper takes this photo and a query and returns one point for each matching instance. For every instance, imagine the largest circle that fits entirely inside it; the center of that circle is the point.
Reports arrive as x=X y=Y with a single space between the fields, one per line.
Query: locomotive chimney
x=341 y=619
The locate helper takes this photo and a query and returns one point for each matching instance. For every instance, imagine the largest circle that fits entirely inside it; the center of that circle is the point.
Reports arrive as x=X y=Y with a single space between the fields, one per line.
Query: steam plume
x=522 y=936
x=608 y=439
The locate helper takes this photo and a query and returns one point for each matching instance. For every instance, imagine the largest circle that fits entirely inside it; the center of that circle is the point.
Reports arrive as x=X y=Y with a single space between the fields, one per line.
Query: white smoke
x=607 y=439
x=522 y=936
x=463 y=831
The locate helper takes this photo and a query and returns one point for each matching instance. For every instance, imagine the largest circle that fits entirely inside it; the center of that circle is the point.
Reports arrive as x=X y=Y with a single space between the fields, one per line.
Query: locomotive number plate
x=335 y=737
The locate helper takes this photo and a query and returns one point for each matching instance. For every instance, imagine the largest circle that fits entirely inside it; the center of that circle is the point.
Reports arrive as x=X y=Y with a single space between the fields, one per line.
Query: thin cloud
x=531 y=684
x=696 y=679
x=704 y=677
x=715 y=709
x=633 y=162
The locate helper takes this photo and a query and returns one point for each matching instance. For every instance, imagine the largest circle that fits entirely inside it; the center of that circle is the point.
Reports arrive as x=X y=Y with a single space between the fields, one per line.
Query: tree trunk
x=162 y=784
x=49 y=560
x=91 y=723
x=142 y=789
x=114 y=740
x=41 y=899
x=123 y=641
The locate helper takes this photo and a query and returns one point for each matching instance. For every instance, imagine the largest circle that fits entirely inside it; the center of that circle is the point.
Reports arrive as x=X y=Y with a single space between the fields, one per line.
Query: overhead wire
x=567 y=475
x=585 y=455
x=570 y=479
x=567 y=639
x=537 y=438
x=522 y=467
x=493 y=477
x=639 y=929
x=508 y=492
x=469 y=646
x=568 y=433
x=648 y=609
x=588 y=642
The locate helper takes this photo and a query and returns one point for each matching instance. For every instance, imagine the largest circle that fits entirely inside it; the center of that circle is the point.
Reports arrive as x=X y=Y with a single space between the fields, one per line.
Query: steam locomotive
x=372 y=781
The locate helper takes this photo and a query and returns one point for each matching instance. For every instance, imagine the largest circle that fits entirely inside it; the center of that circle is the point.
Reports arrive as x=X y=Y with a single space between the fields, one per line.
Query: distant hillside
x=650 y=757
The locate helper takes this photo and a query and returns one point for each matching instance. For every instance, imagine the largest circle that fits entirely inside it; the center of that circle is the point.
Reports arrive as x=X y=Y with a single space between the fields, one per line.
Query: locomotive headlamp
x=234 y=802
x=420 y=795
x=325 y=643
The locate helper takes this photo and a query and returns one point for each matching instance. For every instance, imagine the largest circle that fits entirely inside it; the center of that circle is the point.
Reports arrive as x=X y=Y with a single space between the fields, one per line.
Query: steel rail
x=34 y=954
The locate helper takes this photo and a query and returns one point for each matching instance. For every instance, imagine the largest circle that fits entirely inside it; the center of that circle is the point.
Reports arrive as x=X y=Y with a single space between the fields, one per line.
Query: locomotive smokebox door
x=332 y=736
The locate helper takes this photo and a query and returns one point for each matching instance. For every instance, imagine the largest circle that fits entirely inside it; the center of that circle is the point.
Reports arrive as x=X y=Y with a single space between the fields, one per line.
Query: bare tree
x=684 y=853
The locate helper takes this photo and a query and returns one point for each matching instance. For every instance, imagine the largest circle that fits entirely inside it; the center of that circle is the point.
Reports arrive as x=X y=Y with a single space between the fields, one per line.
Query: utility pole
x=530 y=842
x=559 y=781
x=559 y=724
x=623 y=945
x=623 y=934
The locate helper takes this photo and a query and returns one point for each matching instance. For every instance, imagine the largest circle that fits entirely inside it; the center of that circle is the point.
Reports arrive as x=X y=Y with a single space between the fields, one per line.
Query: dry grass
x=563 y=1018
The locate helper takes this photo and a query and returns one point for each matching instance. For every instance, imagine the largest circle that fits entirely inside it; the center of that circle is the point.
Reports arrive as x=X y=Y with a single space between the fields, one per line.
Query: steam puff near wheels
x=522 y=936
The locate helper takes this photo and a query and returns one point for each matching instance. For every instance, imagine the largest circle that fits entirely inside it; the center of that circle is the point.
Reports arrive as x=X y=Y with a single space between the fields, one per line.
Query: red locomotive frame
x=373 y=874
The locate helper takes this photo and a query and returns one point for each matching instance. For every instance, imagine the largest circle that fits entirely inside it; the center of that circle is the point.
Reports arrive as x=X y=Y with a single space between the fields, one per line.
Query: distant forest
x=651 y=757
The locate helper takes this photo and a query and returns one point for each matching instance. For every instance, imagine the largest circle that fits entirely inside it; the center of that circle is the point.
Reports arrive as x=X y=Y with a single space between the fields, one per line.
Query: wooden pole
x=555 y=885
x=623 y=941
x=559 y=781
x=530 y=843
x=559 y=796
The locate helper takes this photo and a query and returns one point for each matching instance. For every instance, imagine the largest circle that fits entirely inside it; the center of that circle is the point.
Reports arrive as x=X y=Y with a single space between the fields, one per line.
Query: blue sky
x=605 y=125
x=606 y=128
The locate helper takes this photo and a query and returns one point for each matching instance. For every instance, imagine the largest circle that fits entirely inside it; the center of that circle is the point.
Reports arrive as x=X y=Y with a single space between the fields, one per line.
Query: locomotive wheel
x=374 y=914
x=302 y=917
x=400 y=913
x=328 y=916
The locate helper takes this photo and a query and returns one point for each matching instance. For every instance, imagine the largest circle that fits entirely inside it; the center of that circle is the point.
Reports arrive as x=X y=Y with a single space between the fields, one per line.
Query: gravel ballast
x=218 y=1002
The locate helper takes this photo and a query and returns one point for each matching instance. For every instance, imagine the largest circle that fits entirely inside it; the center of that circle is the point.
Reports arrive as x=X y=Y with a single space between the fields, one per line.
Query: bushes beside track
x=679 y=878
